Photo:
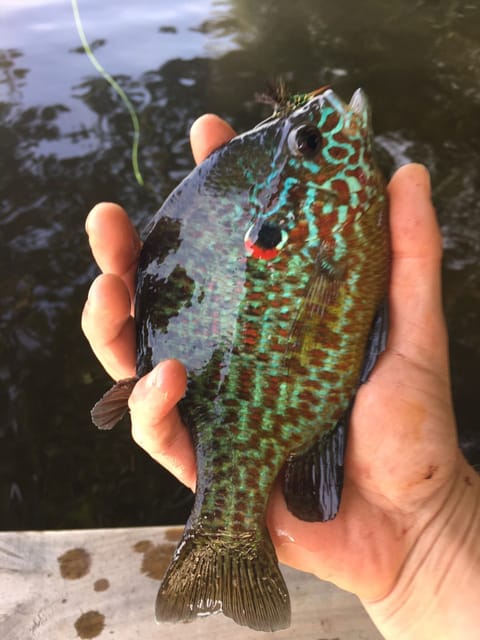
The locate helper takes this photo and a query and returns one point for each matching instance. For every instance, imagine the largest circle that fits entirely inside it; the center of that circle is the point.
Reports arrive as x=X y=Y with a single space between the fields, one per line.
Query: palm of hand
x=396 y=461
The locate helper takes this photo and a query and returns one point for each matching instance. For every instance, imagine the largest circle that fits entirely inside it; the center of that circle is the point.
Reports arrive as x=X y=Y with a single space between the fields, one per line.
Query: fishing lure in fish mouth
x=265 y=272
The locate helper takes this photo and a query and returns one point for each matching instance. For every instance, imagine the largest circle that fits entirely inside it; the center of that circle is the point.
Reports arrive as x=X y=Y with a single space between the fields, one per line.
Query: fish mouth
x=358 y=102
x=318 y=92
x=358 y=106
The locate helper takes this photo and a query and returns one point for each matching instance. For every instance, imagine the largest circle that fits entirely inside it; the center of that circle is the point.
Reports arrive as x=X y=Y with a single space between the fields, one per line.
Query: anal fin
x=377 y=341
x=313 y=480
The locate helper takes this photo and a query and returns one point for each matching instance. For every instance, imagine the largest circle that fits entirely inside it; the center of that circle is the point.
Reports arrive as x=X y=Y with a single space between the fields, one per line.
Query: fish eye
x=265 y=241
x=269 y=235
x=305 y=141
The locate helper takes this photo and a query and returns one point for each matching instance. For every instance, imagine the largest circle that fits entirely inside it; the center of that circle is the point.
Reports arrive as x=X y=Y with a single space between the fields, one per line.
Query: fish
x=265 y=272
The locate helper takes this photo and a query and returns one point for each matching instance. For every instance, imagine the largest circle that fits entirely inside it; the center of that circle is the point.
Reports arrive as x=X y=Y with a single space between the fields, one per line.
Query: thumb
x=156 y=424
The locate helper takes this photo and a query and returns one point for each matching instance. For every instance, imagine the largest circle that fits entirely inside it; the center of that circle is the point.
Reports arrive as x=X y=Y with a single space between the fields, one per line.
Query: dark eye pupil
x=269 y=236
x=308 y=141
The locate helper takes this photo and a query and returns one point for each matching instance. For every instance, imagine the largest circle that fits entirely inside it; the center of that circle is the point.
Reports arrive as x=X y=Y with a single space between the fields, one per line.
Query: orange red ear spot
x=265 y=241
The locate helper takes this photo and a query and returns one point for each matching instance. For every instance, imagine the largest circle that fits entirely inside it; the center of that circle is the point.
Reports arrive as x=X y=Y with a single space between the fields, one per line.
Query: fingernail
x=155 y=378
x=150 y=384
x=89 y=218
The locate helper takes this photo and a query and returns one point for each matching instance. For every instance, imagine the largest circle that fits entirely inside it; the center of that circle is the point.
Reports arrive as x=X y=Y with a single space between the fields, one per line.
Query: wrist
x=437 y=593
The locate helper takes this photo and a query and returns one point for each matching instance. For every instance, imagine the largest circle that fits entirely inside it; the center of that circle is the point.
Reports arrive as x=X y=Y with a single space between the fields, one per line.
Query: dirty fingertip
x=412 y=175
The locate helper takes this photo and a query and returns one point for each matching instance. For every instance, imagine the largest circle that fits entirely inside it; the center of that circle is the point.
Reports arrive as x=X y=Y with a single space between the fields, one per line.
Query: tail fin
x=113 y=405
x=213 y=575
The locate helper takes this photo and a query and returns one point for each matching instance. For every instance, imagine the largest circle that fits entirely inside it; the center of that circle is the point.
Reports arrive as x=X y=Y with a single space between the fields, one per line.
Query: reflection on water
x=65 y=141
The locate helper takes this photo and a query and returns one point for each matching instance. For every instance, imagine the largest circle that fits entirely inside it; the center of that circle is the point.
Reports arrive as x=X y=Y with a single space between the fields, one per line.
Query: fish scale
x=265 y=273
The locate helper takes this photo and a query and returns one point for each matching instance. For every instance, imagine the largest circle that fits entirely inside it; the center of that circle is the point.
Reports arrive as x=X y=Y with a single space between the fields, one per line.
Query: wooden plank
x=64 y=585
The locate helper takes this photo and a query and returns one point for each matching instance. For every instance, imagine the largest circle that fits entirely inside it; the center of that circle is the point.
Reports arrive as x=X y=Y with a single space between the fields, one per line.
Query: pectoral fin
x=113 y=405
x=321 y=295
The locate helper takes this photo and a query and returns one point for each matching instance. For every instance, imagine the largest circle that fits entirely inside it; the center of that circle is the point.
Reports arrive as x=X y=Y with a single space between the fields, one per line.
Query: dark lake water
x=65 y=144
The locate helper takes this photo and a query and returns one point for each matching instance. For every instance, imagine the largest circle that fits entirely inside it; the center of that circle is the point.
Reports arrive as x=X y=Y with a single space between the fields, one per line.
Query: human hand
x=402 y=468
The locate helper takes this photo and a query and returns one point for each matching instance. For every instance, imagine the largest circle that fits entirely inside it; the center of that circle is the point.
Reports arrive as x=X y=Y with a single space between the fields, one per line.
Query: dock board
x=102 y=583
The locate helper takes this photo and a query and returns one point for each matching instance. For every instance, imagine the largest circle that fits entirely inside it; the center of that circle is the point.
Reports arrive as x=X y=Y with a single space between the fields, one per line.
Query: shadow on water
x=420 y=67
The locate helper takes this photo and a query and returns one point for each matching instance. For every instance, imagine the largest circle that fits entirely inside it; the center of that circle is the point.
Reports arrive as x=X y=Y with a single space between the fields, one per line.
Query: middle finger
x=109 y=327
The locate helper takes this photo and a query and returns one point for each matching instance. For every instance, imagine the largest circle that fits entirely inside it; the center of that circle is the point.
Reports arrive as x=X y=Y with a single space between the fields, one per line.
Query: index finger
x=207 y=134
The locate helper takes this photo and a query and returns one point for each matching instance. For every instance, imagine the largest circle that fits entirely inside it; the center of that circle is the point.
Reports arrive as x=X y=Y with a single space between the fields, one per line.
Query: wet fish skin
x=264 y=272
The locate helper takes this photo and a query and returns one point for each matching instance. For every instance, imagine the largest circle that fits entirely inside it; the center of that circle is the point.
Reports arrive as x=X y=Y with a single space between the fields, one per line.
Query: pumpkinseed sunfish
x=265 y=272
